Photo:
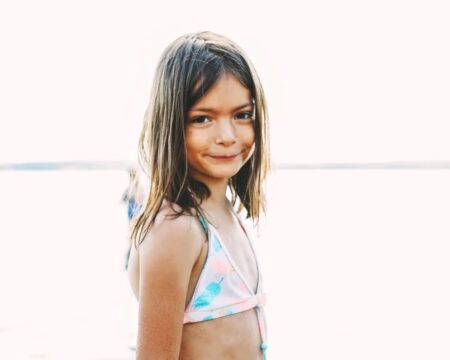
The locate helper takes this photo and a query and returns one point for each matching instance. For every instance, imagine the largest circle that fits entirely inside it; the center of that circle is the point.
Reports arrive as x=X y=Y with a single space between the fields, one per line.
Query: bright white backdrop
x=355 y=262
x=346 y=81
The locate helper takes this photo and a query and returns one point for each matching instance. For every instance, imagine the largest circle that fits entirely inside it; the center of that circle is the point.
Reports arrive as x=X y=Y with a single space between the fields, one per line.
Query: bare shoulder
x=173 y=234
x=167 y=256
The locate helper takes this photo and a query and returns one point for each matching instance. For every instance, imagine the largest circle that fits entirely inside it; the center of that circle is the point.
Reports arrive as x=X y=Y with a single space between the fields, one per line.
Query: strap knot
x=261 y=299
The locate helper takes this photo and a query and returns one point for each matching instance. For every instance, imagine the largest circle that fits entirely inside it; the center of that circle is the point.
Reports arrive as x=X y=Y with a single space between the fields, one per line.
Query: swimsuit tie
x=261 y=301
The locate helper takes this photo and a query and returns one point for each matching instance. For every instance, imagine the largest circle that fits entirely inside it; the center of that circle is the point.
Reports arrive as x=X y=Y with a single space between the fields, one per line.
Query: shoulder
x=179 y=237
x=167 y=256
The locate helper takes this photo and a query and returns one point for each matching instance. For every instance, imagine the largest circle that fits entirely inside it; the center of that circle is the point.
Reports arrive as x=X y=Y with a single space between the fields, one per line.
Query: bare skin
x=229 y=337
x=225 y=129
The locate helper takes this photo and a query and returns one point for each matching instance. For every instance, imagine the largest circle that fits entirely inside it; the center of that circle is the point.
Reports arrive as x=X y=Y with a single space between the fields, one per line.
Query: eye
x=245 y=116
x=200 y=120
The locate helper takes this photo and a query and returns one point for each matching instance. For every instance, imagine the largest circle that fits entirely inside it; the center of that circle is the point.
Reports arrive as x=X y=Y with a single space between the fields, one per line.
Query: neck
x=216 y=205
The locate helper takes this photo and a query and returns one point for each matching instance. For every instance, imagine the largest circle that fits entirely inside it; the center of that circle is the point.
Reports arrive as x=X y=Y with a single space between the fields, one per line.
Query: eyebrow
x=212 y=110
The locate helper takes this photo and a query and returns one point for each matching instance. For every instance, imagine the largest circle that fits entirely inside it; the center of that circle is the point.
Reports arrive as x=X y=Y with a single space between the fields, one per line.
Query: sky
x=345 y=81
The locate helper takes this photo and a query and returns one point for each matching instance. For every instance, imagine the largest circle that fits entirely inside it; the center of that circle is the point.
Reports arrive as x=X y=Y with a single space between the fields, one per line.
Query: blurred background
x=355 y=246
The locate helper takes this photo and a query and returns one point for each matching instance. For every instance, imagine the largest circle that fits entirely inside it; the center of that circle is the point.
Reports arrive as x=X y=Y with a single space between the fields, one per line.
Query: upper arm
x=166 y=258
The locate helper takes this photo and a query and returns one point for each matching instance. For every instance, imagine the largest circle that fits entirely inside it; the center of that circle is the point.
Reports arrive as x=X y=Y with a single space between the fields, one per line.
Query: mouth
x=223 y=157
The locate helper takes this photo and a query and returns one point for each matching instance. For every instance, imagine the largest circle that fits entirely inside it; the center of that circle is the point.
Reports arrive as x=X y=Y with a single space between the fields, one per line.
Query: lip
x=224 y=157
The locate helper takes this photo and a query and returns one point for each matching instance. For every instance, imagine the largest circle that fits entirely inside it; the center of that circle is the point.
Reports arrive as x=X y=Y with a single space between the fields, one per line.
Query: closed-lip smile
x=223 y=156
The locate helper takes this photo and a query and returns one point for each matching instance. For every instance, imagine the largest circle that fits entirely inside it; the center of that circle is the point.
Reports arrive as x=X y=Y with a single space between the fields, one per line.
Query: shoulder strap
x=232 y=210
x=203 y=222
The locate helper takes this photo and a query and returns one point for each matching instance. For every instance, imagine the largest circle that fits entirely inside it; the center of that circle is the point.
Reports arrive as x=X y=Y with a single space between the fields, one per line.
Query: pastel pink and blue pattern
x=221 y=289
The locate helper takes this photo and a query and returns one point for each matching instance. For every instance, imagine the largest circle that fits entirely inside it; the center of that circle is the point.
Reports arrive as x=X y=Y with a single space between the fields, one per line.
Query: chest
x=238 y=248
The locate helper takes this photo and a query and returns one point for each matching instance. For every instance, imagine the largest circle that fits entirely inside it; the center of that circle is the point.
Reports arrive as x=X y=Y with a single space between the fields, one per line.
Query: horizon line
x=127 y=165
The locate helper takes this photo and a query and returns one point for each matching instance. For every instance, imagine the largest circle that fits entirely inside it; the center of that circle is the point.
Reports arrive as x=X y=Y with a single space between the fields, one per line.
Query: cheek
x=195 y=143
x=248 y=140
x=248 y=136
x=189 y=140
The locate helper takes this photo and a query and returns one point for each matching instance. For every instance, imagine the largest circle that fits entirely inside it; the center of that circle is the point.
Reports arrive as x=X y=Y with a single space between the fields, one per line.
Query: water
x=355 y=265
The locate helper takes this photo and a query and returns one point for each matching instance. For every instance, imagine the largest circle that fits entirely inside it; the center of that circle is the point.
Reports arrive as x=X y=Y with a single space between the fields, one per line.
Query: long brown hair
x=187 y=69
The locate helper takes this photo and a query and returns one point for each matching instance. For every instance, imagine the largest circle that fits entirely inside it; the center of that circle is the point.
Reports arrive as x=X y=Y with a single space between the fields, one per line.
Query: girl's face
x=220 y=133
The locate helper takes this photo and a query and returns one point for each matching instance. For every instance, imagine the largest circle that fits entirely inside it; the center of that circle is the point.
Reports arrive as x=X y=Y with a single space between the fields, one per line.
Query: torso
x=230 y=337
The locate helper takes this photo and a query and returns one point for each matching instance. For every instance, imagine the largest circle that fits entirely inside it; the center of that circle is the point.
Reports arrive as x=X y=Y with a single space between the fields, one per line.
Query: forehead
x=227 y=92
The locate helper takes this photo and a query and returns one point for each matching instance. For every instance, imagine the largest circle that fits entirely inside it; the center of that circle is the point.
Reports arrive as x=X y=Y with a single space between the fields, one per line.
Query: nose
x=226 y=132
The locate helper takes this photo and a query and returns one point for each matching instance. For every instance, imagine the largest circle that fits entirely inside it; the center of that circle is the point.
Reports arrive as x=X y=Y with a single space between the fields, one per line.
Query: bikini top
x=221 y=289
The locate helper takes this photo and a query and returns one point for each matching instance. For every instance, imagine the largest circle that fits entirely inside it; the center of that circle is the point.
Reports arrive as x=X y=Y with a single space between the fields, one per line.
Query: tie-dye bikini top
x=221 y=289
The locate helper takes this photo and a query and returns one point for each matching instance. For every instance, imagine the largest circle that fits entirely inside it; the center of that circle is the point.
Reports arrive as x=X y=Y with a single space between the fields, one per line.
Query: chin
x=223 y=172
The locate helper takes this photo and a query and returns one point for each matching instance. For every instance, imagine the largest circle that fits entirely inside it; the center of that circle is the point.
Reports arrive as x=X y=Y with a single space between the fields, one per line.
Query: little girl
x=193 y=266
